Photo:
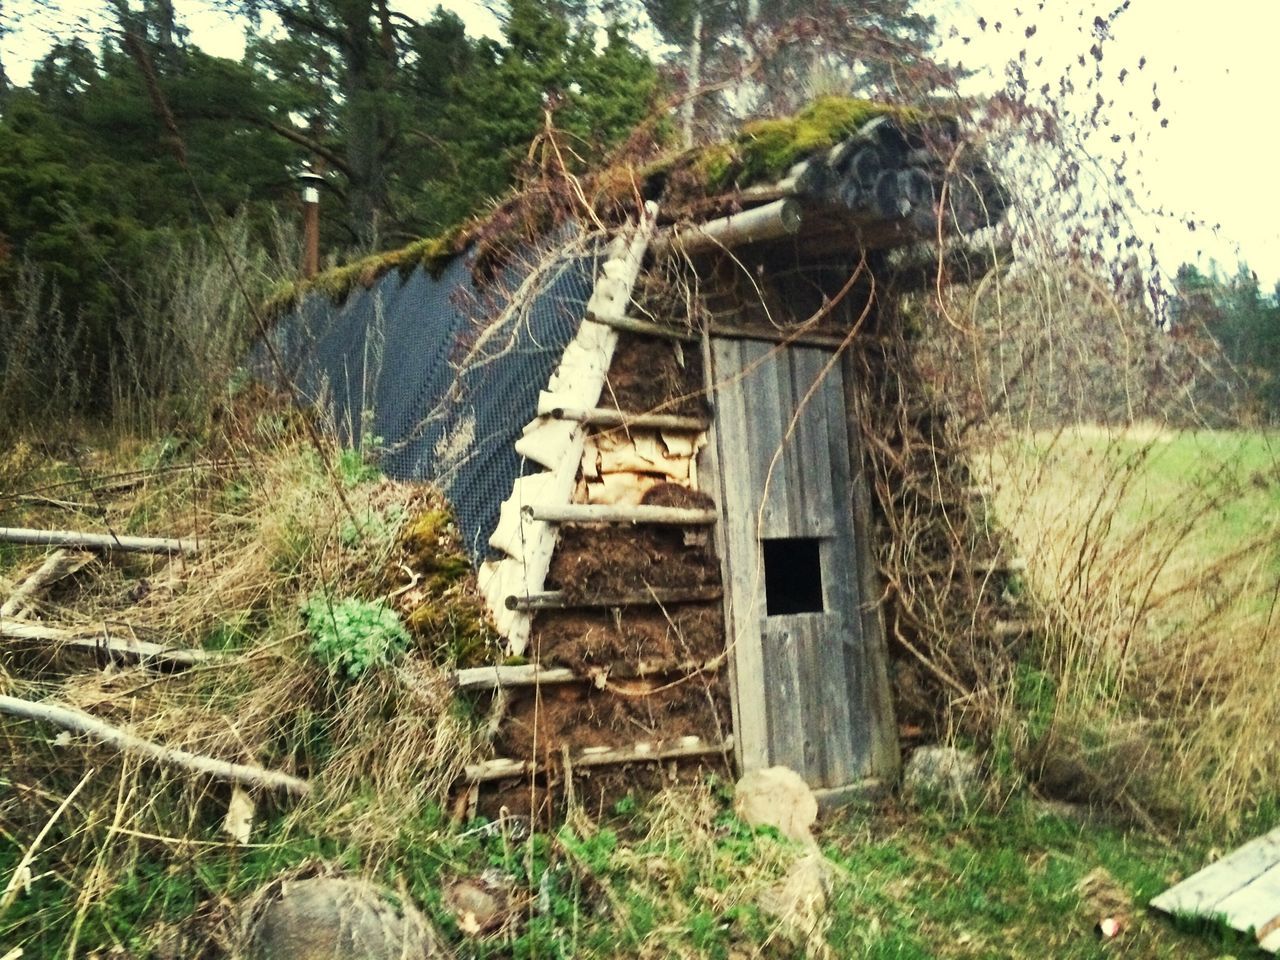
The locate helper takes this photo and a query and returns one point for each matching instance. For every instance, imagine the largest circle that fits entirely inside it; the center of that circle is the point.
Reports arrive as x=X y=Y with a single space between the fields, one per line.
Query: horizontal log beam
x=645 y=327
x=611 y=513
x=100 y=639
x=684 y=748
x=559 y=600
x=97 y=541
x=775 y=220
x=522 y=675
x=604 y=417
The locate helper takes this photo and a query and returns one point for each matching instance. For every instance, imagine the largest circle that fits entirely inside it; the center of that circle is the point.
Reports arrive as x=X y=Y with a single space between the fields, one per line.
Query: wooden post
x=310 y=222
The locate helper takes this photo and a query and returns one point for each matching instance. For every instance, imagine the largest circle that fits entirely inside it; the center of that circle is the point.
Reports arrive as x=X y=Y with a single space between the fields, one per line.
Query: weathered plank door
x=805 y=635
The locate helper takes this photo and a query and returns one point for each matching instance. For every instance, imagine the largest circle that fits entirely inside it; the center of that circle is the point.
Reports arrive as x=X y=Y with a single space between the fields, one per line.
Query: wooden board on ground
x=1243 y=889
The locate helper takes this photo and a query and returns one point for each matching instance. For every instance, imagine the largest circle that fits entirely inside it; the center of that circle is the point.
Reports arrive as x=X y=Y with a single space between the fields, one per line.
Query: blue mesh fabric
x=439 y=374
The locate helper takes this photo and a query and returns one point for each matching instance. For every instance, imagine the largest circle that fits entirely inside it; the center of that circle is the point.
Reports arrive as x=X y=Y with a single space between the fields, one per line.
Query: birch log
x=100 y=639
x=59 y=564
x=78 y=722
x=96 y=541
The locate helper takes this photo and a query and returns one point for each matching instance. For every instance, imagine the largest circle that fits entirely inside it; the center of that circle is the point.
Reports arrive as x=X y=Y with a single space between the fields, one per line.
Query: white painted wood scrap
x=1243 y=888
x=527 y=543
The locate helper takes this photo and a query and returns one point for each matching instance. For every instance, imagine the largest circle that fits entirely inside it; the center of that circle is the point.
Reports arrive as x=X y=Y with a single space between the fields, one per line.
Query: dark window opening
x=792 y=576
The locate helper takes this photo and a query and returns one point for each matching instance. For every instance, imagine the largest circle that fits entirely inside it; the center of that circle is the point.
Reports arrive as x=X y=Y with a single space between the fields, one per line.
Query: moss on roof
x=762 y=151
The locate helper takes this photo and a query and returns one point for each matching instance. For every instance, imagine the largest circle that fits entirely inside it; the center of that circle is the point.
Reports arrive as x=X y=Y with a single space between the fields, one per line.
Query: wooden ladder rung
x=686 y=747
x=520 y=675
x=603 y=417
x=612 y=513
x=645 y=327
x=558 y=600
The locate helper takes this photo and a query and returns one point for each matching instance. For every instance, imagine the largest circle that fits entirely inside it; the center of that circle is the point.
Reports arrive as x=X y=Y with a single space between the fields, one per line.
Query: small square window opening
x=792 y=576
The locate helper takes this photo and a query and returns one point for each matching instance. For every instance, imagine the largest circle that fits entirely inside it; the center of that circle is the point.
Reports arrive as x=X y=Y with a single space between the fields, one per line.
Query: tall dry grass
x=131 y=847
x=1150 y=529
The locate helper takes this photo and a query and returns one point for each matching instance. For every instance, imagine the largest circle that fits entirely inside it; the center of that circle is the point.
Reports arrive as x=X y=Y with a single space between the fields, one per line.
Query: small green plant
x=352 y=636
x=354 y=469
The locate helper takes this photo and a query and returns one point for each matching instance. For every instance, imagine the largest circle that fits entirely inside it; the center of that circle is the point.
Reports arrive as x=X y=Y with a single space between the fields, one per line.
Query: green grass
x=932 y=884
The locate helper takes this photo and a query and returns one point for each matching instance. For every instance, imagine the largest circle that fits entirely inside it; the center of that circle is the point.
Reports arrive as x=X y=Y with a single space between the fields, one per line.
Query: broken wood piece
x=607 y=513
x=521 y=675
x=100 y=639
x=79 y=722
x=781 y=218
x=604 y=417
x=645 y=752
x=59 y=564
x=558 y=600
x=1242 y=889
x=97 y=541
x=645 y=327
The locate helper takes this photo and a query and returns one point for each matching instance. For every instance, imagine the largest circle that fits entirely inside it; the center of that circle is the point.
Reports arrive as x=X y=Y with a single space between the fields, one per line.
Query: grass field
x=1154 y=559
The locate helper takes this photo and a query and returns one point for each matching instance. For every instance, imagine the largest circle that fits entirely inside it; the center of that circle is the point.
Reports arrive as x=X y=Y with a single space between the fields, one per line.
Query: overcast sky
x=1215 y=66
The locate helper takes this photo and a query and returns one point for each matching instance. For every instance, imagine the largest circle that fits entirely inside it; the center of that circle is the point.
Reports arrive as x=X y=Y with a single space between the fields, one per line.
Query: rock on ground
x=331 y=918
x=777 y=797
x=942 y=773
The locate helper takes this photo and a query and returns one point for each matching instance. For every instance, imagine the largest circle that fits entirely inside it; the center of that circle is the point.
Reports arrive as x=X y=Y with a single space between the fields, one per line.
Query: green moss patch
x=437 y=594
x=761 y=152
x=432 y=254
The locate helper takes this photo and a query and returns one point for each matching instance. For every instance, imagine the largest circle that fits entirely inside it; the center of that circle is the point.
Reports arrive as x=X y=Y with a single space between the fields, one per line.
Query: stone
x=334 y=918
x=801 y=896
x=777 y=797
x=942 y=774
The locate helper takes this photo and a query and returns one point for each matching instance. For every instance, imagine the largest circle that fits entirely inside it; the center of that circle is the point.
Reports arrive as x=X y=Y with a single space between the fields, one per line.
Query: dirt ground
x=593 y=562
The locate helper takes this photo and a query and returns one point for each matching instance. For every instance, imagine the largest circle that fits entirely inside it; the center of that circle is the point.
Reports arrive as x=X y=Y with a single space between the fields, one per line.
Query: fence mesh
x=440 y=374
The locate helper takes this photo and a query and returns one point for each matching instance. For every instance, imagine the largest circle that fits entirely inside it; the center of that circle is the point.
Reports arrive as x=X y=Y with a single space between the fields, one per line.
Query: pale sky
x=1215 y=66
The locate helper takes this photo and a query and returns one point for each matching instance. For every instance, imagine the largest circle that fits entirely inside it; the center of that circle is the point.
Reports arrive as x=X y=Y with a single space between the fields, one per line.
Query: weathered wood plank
x=1254 y=907
x=495 y=677
x=98 y=541
x=711 y=478
x=1200 y=892
x=684 y=748
x=645 y=327
x=782 y=704
x=882 y=753
x=744 y=600
x=604 y=417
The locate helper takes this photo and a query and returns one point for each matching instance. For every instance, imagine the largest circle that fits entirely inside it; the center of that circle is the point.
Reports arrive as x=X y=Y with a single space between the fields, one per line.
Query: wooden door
x=803 y=627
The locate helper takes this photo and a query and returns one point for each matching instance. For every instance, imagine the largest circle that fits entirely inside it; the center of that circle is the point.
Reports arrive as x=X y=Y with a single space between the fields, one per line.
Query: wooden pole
x=557 y=600
x=520 y=675
x=604 y=417
x=773 y=220
x=97 y=541
x=79 y=722
x=609 y=513
x=685 y=747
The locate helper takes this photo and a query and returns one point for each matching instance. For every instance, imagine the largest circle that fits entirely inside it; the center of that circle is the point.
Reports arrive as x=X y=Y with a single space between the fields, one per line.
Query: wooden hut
x=665 y=486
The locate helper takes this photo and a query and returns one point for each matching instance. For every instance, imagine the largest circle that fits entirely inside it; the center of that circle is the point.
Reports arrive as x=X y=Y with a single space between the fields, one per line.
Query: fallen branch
x=96 y=541
x=100 y=639
x=59 y=564
x=79 y=722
